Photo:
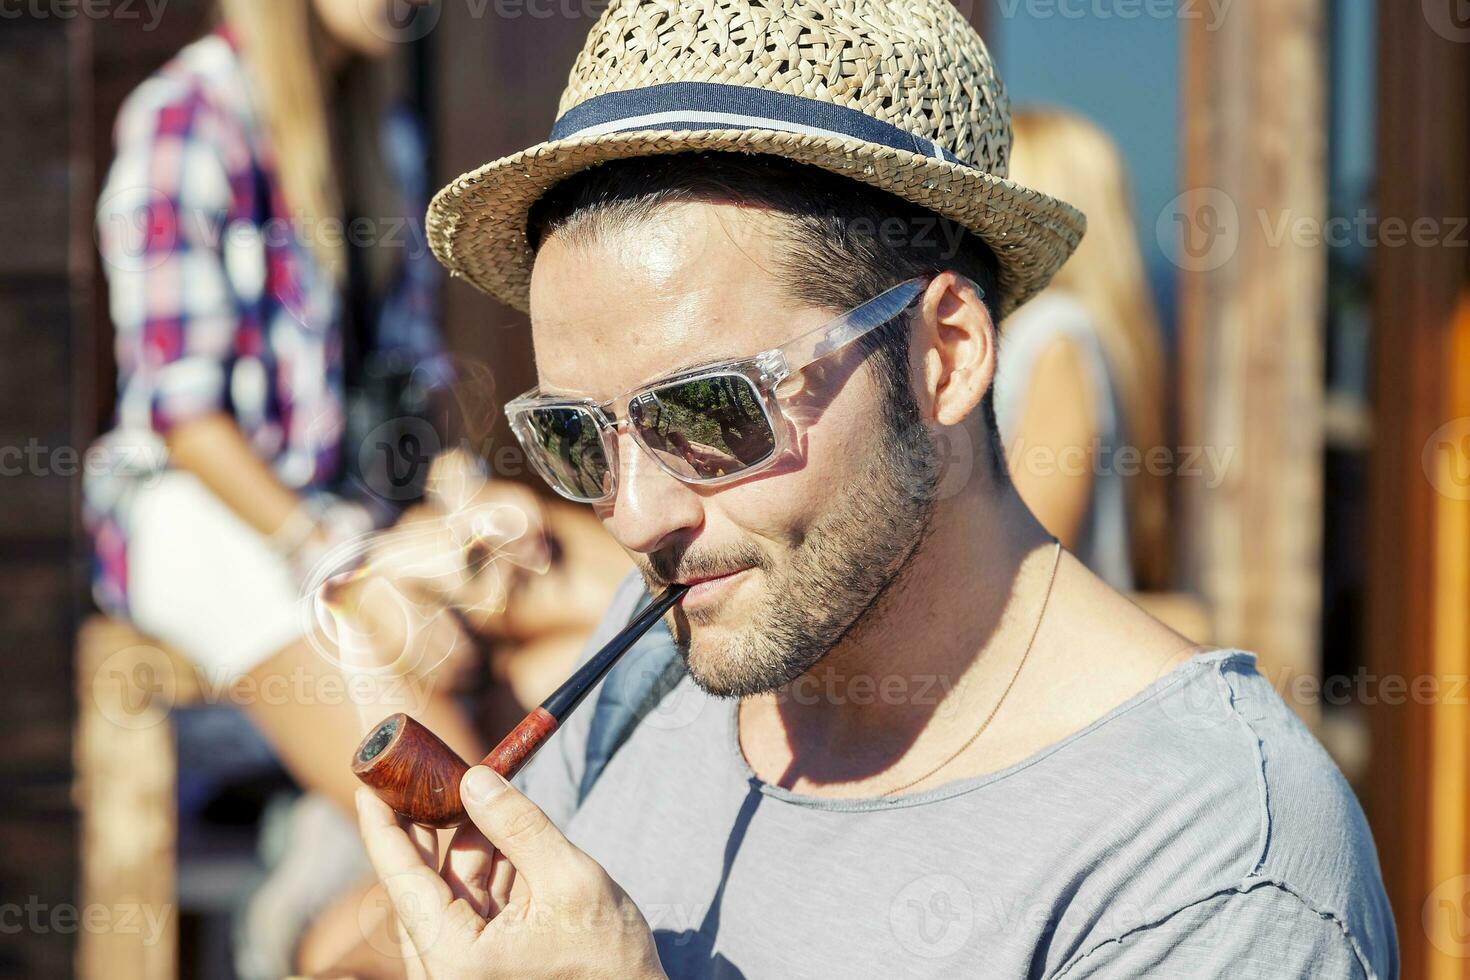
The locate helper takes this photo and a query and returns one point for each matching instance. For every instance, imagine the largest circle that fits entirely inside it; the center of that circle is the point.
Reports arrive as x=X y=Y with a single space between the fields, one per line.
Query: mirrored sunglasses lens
x=705 y=428
x=568 y=443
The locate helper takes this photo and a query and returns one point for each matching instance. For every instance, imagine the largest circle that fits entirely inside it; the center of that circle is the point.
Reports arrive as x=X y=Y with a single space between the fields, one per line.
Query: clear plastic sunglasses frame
x=766 y=372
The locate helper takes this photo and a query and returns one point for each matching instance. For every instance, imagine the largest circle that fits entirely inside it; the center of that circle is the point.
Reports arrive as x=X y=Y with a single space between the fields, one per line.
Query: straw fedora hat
x=899 y=94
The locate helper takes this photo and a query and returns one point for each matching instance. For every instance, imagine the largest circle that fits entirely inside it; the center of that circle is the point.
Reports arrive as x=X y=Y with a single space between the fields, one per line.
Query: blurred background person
x=274 y=306
x=1081 y=370
x=222 y=230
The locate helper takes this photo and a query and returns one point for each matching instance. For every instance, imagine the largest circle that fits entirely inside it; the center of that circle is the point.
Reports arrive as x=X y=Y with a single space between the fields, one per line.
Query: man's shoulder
x=1228 y=721
x=1258 y=797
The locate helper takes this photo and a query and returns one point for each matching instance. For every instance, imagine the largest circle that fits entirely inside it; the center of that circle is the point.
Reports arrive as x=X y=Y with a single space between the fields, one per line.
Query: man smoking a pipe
x=1078 y=791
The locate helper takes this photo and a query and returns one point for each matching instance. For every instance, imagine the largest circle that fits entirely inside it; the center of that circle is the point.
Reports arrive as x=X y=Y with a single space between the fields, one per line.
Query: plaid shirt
x=216 y=299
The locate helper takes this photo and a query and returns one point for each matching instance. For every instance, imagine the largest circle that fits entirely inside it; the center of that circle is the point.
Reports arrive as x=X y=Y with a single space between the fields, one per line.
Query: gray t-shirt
x=1198 y=830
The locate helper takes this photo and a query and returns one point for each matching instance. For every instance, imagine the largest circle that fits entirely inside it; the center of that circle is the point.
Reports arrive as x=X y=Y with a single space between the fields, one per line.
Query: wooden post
x=125 y=792
x=1419 y=491
x=1251 y=322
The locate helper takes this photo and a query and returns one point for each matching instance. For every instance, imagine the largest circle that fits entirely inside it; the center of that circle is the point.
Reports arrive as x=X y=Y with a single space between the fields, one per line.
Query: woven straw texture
x=915 y=64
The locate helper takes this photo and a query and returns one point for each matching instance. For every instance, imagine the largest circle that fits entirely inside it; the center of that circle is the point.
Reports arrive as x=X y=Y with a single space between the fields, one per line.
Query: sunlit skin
x=695 y=285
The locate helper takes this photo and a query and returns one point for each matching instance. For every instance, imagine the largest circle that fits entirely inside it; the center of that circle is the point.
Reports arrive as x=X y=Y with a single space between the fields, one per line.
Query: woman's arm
x=1052 y=454
x=212 y=448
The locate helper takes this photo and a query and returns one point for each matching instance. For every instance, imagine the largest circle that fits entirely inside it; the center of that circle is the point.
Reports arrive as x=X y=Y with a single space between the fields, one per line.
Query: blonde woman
x=1092 y=333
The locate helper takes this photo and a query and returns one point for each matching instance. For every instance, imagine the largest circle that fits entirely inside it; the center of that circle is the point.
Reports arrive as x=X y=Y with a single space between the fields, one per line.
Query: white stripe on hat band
x=658 y=120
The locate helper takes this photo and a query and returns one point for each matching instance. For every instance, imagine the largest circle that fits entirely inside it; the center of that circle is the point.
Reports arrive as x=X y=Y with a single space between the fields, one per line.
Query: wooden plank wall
x=38 y=586
x=63 y=74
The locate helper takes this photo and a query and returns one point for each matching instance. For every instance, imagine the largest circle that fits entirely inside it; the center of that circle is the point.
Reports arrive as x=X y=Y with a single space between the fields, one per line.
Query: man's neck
x=959 y=614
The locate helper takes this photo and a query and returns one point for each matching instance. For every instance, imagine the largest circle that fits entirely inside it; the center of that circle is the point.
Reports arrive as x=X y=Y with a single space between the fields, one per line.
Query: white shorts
x=206 y=583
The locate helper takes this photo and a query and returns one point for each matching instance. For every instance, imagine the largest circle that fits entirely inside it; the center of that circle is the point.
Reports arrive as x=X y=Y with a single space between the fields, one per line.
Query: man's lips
x=704 y=588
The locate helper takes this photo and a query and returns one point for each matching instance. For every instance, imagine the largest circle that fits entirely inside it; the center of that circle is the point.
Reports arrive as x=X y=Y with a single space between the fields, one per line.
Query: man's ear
x=957 y=338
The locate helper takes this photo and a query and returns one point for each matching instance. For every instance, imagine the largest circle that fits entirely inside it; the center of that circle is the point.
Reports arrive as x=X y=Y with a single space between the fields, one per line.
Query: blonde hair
x=1067 y=156
x=282 y=43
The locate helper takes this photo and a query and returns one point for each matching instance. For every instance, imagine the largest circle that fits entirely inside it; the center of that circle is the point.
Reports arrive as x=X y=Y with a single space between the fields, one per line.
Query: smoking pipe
x=415 y=773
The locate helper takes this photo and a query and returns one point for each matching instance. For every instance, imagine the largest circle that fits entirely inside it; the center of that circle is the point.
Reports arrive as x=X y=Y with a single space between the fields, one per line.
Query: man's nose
x=651 y=507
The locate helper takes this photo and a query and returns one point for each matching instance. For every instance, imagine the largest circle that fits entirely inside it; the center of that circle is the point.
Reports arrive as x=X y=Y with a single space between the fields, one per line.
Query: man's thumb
x=512 y=823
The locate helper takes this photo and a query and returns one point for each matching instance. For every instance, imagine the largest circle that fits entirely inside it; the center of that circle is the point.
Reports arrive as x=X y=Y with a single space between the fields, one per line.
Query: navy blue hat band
x=685 y=106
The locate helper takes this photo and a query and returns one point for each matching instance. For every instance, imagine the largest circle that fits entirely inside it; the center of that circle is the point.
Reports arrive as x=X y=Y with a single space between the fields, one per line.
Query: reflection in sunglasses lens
x=570 y=445
x=706 y=427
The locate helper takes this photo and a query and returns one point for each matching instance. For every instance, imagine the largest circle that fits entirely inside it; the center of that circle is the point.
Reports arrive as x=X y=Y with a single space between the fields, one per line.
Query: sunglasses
x=705 y=426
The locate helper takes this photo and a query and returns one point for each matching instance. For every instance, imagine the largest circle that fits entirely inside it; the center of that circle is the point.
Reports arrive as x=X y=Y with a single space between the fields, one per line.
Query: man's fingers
x=467 y=867
x=517 y=827
x=425 y=840
x=477 y=872
x=418 y=894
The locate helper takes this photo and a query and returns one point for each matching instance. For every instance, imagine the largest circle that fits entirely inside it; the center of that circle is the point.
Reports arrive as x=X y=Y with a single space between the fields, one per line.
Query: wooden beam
x=1419 y=563
x=1252 y=287
x=126 y=771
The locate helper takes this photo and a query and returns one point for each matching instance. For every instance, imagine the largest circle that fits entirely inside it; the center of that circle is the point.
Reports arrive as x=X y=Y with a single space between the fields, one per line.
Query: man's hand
x=514 y=898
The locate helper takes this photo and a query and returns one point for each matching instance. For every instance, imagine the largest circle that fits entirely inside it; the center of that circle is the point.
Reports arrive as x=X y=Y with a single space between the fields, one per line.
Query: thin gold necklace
x=1056 y=561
